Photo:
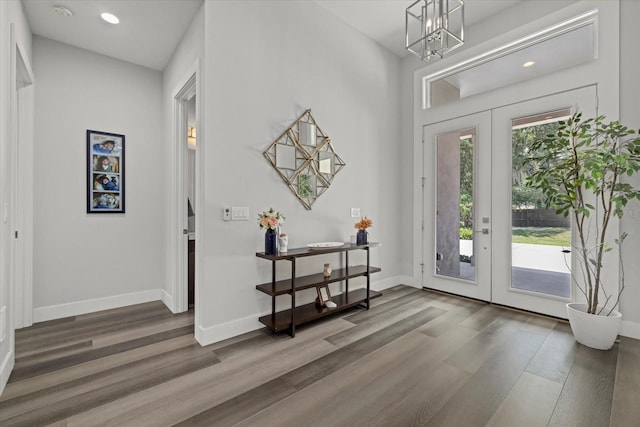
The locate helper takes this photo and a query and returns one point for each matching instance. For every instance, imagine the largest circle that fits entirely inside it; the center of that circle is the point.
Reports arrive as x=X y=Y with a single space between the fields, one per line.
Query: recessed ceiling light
x=62 y=11
x=111 y=19
x=528 y=64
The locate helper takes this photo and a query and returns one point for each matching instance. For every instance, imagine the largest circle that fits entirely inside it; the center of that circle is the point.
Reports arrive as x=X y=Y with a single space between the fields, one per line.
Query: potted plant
x=362 y=236
x=580 y=172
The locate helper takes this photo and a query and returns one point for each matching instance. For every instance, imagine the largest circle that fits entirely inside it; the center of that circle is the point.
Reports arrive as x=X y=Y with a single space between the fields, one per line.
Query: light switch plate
x=239 y=213
x=355 y=212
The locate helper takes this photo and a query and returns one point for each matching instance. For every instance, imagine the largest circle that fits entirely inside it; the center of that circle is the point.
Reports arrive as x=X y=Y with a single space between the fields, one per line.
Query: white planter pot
x=592 y=330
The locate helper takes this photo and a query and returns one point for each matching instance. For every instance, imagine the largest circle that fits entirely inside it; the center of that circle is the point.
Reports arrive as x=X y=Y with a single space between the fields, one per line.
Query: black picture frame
x=105 y=172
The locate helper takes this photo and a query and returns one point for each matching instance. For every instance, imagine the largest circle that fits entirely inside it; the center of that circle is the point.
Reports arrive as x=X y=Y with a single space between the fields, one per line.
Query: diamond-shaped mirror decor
x=328 y=162
x=305 y=159
x=285 y=155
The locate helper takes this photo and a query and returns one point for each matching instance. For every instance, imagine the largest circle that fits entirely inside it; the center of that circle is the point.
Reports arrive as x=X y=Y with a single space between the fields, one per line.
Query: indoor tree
x=580 y=173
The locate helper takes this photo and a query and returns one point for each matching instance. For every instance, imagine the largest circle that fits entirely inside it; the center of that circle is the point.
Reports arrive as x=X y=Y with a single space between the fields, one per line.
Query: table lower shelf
x=281 y=320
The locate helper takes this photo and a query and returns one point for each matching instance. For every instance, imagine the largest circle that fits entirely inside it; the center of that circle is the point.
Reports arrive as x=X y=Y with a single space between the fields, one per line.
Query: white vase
x=592 y=330
x=283 y=242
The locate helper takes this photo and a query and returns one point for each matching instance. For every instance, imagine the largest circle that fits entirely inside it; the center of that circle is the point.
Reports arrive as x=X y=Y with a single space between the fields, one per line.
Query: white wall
x=266 y=62
x=630 y=116
x=187 y=59
x=190 y=49
x=86 y=262
x=10 y=13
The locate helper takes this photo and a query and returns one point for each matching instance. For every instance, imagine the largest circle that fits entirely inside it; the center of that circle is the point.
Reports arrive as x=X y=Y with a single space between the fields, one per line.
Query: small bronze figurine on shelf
x=326 y=272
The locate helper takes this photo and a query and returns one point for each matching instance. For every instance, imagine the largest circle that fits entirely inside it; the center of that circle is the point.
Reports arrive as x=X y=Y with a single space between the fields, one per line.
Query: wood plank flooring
x=416 y=358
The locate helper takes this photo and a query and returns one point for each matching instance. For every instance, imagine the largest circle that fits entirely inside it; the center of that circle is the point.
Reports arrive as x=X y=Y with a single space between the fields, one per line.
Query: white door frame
x=179 y=239
x=498 y=278
x=21 y=189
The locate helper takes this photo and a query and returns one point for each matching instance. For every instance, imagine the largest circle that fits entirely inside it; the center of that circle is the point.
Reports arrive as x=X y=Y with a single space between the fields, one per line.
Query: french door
x=457 y=206
x=486 y=234
x=534 y=275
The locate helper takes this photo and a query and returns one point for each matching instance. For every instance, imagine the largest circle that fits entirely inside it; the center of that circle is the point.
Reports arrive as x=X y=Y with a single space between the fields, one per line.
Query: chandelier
x=434 y=27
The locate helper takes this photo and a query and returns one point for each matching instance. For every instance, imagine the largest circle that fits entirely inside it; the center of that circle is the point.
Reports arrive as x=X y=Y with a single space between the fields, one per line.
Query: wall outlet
x=226 y=214
x=355 y=212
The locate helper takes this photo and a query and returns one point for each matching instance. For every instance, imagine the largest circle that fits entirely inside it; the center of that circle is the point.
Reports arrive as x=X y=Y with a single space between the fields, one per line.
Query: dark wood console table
x=297 y=315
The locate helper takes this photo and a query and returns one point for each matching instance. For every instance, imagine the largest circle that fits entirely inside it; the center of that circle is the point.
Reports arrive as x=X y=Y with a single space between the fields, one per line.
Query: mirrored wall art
x=305 y=159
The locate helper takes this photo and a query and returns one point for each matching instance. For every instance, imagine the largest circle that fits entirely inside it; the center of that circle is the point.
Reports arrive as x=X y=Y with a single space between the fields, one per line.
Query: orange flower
x=363 y=224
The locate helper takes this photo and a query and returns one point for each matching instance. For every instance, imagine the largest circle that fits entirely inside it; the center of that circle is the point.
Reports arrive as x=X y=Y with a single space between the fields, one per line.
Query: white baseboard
x=630 y=329
x=381 y=285
x=216 y=333
x=5 y=370
x=167 y=300
x=42 y=314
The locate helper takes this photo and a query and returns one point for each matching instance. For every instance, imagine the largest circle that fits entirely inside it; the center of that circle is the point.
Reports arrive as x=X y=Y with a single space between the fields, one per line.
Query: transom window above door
x=567 y=44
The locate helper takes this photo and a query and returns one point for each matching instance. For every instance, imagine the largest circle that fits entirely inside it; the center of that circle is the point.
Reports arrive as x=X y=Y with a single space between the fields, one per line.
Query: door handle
x=185 y=231
x=483 y=231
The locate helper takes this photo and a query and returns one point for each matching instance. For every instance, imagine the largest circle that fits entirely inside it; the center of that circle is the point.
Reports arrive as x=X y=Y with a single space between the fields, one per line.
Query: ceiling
x=150 y=30
x=384 y=20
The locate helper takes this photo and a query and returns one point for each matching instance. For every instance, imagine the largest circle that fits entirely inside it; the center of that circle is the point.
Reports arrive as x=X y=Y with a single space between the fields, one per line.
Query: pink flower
x=270 y=219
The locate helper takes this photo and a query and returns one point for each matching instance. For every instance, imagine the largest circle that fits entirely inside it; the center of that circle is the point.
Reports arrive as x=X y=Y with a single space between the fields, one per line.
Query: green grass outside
x=552 y=236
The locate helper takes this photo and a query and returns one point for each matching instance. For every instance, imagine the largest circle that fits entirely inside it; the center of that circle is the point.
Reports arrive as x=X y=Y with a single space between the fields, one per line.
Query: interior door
x=21 y=185
x=531 y=264
x=457 y=206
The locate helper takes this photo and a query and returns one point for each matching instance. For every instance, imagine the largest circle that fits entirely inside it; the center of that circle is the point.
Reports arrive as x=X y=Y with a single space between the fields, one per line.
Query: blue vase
x=362 y=237
x=270 y=242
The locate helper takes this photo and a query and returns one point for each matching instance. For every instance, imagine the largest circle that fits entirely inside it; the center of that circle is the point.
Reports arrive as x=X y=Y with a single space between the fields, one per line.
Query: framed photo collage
x=105 y=172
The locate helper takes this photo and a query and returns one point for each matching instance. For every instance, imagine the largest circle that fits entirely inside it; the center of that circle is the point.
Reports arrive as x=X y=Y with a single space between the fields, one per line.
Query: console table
x=297 y=315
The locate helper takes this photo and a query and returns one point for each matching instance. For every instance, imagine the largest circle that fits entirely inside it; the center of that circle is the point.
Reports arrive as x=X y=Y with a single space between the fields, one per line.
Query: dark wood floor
x=416 y=358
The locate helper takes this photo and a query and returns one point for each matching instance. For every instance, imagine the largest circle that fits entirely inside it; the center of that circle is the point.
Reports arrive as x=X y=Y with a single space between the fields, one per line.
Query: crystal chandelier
x=434 y=27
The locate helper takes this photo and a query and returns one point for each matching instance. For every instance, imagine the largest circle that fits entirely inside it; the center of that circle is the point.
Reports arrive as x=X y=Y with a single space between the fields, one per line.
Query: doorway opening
x=486 y=235
x=186 y=196
x=190 y=176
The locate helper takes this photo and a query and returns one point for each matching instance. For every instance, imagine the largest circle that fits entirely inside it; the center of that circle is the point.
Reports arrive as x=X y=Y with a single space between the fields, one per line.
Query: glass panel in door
x=540 y=238
x=454 y=204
